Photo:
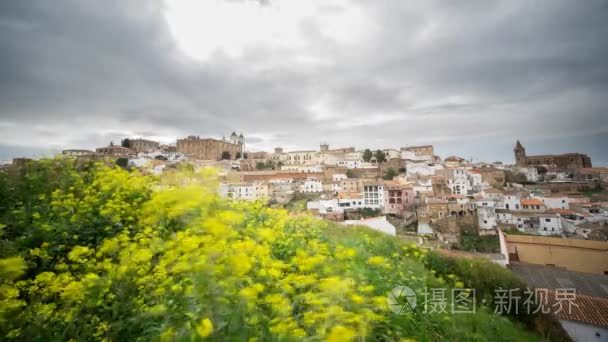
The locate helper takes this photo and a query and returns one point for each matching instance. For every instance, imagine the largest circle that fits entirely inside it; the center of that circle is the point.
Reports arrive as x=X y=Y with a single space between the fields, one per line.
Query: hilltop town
x=407 y=190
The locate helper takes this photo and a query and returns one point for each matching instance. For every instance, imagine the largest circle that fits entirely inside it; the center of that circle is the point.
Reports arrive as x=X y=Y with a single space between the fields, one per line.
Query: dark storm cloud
x=469 y=74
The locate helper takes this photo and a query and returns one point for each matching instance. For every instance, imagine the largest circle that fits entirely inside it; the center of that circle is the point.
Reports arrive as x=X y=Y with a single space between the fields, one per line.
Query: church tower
x=520 y=154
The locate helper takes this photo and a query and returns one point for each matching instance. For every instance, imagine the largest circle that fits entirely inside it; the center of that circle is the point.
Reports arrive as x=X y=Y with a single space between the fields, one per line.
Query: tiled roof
x=551 y=277
x=586 y=309
x=561 y=211
x=532 y=201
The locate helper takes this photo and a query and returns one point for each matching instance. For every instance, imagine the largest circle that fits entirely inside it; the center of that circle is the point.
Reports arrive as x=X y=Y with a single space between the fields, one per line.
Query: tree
x=270 y=165
x=125 y=143
x=238 y=155
x=122 y=162
x=245 y=155
x=380 y=156
x=260 y=166
x=350 y=174
x=280 y=164
x=541 y=171
x=226 y=155
x=389 y=174
x=513 y=177
x=367 y=155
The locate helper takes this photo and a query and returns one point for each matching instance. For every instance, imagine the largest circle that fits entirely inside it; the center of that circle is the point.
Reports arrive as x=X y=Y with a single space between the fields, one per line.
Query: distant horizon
x=529 y=144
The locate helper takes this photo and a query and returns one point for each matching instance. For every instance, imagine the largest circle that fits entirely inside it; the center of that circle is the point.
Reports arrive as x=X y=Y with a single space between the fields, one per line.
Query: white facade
x=373 y=196
x=459 y=183
x=351 y=203
x=244 y=191
x=408 y=155
x=311 y=185
x=561 y=202
x=550 y=225
x=487 y=217
x=324 y=206
x=583 y=332
x=354 y=164
x=421 y=169
x=511 y=202
x=531 y=173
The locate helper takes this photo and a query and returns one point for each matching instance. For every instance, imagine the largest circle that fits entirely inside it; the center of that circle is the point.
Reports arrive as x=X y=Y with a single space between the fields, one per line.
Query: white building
x=354 y=164
x=373 y=195
x=411 y=156
x=511 y=202
x=531 y=173
x=244 y=191
x=421 y=168
x=459 y=183
x=324 y=206
x=486 y=216
x=549 y=224
x=311 y=184
x=555 y=202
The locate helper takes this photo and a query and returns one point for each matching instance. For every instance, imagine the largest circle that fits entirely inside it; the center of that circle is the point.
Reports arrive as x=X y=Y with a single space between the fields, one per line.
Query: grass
x=476 y=243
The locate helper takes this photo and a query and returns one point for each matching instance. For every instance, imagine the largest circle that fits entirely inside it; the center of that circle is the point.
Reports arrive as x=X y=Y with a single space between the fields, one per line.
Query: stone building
x=426 y=150
x=566 y=161
x=494 y=177
x=142 y=145
x=76 y=152
x=114 y=151
x=210 y=149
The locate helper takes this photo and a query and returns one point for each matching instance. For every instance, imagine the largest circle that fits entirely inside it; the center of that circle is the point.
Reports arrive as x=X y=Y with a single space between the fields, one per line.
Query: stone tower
x=520 y=154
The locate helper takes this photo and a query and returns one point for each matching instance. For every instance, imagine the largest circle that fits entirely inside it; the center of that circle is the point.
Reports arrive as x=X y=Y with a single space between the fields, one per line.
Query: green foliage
x=122 y=162
x=367 y=155
x=102 y=253
x=226 y=155
x=380 y=156
x=476 y=243
x=369 y=212
x=260 y=166
x=350 y=173
x=389 y=174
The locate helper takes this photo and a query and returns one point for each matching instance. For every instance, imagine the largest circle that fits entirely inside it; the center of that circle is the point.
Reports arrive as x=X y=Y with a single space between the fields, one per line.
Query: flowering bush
x=119 y=255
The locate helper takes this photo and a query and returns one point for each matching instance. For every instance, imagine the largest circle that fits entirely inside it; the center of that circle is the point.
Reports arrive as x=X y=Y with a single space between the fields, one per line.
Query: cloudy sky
x=468 y=76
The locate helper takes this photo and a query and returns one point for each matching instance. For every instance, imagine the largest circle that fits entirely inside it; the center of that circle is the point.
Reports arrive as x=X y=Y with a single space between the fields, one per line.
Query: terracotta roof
x=586 y=309
x=561 y=211
x=532 y=201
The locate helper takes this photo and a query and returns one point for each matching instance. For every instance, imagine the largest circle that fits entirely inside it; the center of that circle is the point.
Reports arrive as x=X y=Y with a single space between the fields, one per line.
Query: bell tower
x=520 y=154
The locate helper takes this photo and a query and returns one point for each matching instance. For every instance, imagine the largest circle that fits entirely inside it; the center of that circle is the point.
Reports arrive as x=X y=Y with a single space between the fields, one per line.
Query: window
x=547 y=220
x=485 y=221
x=545 y=228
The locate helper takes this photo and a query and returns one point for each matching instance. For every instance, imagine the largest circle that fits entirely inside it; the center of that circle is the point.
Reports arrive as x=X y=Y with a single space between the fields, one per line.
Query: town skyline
x=443 y=149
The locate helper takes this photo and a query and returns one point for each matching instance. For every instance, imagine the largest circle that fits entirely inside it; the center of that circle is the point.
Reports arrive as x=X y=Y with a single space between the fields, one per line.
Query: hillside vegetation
x=95 y=252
